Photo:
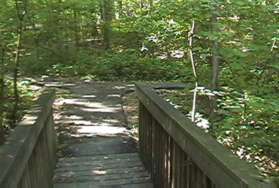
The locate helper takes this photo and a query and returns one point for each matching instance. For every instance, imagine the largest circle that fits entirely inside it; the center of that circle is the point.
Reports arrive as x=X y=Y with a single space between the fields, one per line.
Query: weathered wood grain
x=28 y=157
x=92 y=185
x=103 y=170
x=106 y=155
x=196 y=159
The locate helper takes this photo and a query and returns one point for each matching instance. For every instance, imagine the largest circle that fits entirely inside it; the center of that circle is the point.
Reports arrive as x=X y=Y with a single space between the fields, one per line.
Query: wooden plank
x=92 y=185
x=80 y=176
x=102 y=160
x=108 y=180
x=104 y=167
x=104 y=164
x=220 y=165
x=97 y=159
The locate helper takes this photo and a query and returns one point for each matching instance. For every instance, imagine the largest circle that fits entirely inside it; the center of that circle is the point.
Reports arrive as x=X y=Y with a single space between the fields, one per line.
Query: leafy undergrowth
x=246 y=124
x=123 y=65
x=29 y=92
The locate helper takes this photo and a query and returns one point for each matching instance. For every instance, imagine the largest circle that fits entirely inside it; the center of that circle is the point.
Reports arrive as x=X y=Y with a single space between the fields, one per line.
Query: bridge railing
x=28 y=157
x=180 y=155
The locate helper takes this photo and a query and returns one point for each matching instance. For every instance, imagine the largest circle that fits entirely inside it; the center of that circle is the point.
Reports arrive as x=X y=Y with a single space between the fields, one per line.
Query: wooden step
x=117 y=170
x=98 y=158
x=98 y=167
x=91 y=185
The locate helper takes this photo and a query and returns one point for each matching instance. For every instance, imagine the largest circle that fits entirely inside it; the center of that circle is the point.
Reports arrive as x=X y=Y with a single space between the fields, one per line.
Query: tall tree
x=2 y=87
x=76 y=32
x=215 y=45
x=215 y=60
x=107 y=19
x=21 y=10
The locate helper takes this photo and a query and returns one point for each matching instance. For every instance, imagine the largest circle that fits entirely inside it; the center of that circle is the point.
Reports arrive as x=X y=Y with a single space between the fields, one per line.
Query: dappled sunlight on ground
x=107 y=109
x=86 y=112
x=102 y=130
x=89 y=96
x=95 y=144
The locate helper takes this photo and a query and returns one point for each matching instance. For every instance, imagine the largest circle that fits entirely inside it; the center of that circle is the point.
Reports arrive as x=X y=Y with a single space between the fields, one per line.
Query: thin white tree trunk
x=190 y=37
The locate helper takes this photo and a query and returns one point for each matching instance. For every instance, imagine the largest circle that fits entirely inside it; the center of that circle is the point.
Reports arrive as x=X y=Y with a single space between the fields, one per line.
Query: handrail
x=179 y=154
x=28 y=157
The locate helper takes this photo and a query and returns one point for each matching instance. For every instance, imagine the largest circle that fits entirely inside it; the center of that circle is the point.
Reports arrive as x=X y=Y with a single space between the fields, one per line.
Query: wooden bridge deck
x=97 y=150
x=96 y=147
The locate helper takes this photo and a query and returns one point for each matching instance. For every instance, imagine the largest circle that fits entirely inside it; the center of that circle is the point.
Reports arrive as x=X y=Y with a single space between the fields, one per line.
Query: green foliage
x=126 y=66
x=245 y=123
x=68 y=38
x=250 y=123
x=130 y=66
x=28 y=95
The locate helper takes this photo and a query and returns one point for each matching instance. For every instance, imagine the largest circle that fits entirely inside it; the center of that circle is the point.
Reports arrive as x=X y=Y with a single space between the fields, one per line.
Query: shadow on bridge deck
x=97 y=149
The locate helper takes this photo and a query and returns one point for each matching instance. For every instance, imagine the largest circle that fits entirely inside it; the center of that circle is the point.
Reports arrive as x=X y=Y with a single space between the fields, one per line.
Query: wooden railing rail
x=28 y=157
x=180 y=155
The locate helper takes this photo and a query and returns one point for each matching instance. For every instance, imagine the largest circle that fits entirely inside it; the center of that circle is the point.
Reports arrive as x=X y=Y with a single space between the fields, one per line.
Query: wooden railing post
x=145 y=137
x=180 y=155
x=28 y=158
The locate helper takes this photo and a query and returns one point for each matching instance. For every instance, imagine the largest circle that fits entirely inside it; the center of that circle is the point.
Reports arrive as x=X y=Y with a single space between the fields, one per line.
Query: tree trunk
x=21 y=12
x=191 y=56
x=107 y=16
x=76 y=35
x=2 y=100
x=15 y=75
x=215 y=63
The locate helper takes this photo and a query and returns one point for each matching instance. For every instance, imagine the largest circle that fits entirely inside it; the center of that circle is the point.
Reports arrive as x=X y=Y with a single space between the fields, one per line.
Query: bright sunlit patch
x=74 y=117
x=200 y=121
x=177 y=54
x=58 y=84
x=75 y=101
x=89 y=96
x=99 y=172
x=114 y=95
x=107 y=109
x=111 y=120
x=28 y=120
x=119 y=87
x=101 y=130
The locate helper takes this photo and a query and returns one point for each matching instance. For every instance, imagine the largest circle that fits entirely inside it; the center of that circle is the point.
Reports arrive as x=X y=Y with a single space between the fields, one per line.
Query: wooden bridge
x=98 y=150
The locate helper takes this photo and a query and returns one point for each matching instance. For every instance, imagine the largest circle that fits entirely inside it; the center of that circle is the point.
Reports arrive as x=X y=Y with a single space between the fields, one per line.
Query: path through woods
x=96 y=147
